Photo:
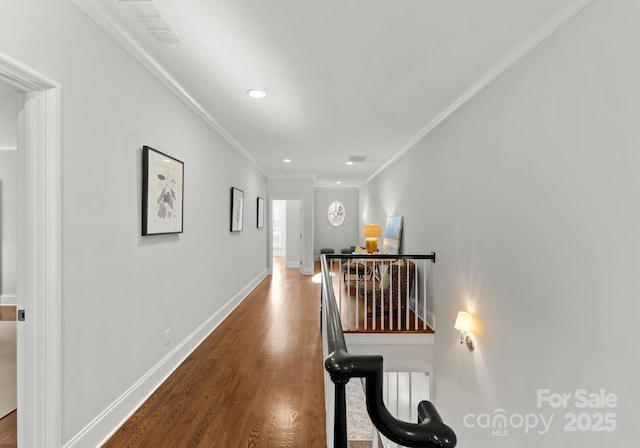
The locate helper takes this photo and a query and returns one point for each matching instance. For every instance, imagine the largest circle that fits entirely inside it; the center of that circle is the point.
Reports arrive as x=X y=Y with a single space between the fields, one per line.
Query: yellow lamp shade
x=372 y=231
x=463 y=321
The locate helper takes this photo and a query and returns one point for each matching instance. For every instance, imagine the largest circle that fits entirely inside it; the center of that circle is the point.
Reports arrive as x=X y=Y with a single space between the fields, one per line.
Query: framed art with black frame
x=237 y=209
x=162 y=193
x=260 y=213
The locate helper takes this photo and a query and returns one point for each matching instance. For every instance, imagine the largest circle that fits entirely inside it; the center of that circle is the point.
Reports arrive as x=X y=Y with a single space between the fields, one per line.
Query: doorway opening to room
x=39 y=276
x=8 y=263
x=286 y=232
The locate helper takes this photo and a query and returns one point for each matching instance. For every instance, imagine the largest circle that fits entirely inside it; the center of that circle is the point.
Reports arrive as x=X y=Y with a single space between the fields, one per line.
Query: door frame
x=39 y=248
x=270 y=230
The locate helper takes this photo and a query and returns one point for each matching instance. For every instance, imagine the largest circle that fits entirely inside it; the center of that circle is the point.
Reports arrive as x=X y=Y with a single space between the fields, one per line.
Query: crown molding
x=96 y=11
x=292 y=176
x=337 y=189
x=519 y=51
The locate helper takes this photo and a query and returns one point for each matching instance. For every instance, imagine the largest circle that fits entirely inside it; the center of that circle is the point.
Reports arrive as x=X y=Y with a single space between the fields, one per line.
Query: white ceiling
x=343 y=77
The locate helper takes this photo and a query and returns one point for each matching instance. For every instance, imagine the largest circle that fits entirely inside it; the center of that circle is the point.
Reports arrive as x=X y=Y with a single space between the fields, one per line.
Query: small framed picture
x=162 y=193
x=237 y=209
x=260 y=213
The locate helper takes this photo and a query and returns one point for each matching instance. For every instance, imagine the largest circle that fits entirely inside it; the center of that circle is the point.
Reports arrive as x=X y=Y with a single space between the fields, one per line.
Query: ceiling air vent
x=357 y=159
x=149 y=16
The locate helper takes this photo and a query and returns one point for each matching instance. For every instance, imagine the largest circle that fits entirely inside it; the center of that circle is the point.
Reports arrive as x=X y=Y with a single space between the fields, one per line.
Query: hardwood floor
x=7 y=312
x=9 y=430
x=256 y=381
x=9 y=423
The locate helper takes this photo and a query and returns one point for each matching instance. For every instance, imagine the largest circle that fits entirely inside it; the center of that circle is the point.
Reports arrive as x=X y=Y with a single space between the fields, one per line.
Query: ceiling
x=343 y=78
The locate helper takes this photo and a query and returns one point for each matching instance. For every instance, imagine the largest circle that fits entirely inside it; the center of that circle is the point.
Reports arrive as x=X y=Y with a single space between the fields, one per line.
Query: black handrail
x=342 y=366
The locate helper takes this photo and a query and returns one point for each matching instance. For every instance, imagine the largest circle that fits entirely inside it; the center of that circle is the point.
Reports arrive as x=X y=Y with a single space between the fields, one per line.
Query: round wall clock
x=335 y=214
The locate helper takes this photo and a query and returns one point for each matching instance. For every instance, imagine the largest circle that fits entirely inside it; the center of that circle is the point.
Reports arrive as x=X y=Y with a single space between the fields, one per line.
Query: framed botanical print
x=162 y=193
x=260 y=213
x=237 y=209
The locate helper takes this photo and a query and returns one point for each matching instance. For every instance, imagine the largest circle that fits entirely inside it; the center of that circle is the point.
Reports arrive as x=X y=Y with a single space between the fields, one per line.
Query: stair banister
x=342 y=366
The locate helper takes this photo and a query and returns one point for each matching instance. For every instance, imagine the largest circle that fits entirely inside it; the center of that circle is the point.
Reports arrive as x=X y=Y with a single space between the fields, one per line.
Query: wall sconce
x=371 y=234
x=463 y=325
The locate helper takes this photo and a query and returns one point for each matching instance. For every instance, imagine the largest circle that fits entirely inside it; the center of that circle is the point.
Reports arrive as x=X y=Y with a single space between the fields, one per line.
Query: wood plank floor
x=9 y=423
x=256 y=381
x=7 y=312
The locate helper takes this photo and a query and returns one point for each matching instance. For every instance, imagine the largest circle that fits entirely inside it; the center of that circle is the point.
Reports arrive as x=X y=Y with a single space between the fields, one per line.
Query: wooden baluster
x=424 y=299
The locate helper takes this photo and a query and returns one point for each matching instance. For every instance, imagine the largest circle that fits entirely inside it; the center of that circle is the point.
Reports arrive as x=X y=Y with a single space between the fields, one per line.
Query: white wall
x=298 y=188
x=121 y=291
x=348 y=233
x=529 y=195
x=8 y=194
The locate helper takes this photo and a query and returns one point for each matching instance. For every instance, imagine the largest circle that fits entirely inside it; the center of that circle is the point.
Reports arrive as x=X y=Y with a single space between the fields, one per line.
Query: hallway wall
x=120 y=291
x=529 y=195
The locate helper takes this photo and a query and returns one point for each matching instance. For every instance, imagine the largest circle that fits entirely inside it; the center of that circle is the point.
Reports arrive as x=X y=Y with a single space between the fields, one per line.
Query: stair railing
x=342 y=366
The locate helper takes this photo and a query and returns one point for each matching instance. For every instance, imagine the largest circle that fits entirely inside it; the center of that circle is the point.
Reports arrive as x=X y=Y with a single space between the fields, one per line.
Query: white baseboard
x=8 y=299
x=115 y=415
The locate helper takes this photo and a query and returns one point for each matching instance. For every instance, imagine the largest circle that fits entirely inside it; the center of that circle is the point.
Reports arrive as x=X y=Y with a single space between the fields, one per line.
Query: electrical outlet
x=167 y=333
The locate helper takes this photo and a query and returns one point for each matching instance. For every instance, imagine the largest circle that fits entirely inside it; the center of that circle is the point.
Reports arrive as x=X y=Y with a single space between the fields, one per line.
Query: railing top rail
x=342 y=366
x=431 y=256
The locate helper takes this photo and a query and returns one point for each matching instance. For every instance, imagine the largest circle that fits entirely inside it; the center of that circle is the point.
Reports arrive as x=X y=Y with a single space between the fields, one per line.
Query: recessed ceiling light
x=286 y=160
x=338 y=182
x=349 y=162
x=257 y=94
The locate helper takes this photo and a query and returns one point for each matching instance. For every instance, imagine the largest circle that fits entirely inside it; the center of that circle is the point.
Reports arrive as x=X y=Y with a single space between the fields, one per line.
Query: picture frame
x=237 y=209
x=162 y=193
x=260 y=212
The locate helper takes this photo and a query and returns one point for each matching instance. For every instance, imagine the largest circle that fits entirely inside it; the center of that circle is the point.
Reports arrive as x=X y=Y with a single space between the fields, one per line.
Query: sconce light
x=463 y=325
x=371 y=234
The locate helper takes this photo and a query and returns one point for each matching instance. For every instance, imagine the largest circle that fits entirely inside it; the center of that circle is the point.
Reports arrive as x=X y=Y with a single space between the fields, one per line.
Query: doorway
x=8 y=262
x=286 y=231
x=39 y=245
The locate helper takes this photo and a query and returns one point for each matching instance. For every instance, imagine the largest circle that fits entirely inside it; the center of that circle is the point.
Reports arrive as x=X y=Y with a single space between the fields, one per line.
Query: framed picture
x=392 y=235
x=237 y=209
x=260 y=213
x=162 y=193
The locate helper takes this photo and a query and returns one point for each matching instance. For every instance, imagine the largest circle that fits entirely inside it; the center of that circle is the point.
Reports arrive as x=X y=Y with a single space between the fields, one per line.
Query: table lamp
x=371 y=234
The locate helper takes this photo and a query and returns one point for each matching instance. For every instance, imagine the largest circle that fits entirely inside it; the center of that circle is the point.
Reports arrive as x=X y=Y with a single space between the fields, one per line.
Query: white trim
x=96 y=11
x=293 y=176
x=101 y=428
x=340 y=189
x=520 y=51
x=8 y=299
x=39 y=243
x=8 y=147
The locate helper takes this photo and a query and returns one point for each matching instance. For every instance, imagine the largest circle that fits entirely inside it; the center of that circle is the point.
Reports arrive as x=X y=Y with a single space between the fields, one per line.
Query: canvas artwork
x=162 y=195
x=392 y=235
